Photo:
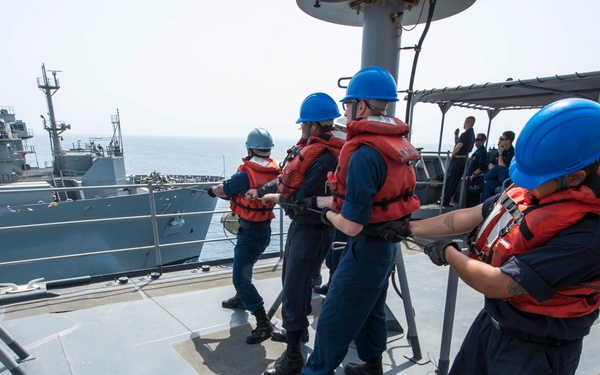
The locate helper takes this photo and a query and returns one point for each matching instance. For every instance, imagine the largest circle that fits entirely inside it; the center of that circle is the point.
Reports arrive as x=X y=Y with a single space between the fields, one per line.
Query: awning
x=515 y=94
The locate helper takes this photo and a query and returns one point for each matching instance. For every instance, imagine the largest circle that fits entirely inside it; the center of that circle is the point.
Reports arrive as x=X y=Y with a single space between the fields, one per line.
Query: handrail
x=445 y=162
x=151 y=187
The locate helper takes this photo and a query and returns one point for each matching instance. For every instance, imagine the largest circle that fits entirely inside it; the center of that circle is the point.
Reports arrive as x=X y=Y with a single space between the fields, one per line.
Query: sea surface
x=184 y=155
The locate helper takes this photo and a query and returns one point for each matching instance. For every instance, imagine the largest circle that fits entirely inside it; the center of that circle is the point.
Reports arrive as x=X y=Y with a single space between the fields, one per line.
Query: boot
x=370 y=367
x=291 y=361
x=233 y=303
x=317 y=279
x=323 y=289
x=263 y=328
x=280 y=335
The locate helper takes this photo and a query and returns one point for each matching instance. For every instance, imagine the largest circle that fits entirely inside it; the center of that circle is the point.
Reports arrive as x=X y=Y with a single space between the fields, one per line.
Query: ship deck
x=175 y=324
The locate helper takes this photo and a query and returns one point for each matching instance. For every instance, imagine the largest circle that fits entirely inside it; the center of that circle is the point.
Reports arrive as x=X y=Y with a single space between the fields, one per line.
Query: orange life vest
x=301 y=157
x=260 y=171
x=387 y=135
x=517 y=224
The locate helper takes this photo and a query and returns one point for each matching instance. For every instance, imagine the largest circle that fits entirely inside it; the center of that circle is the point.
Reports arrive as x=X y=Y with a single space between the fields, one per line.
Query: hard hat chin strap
x=354 y=105
x=562 y=183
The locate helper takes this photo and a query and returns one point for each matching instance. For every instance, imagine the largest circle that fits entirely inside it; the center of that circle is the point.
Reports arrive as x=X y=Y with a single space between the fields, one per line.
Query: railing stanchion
x=281 y=231
x=154 y=227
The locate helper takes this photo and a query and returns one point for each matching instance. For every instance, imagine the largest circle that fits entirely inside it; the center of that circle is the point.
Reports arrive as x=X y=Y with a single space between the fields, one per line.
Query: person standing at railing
x=458 y=159
x=303 y=178
x=254 y=233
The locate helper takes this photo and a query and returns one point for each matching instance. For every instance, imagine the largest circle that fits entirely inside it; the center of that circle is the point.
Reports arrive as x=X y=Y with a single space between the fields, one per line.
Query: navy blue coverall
x=250 y=244
x=355 y=305
x=478 y=160
x=308 y=241
x=541 y=272
x=457 y=165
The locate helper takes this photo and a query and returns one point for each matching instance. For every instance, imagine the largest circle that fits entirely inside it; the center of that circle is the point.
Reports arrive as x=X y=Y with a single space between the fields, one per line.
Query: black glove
x=306 y=205
x=394 y=231
x=324 y=218
x=436 y=253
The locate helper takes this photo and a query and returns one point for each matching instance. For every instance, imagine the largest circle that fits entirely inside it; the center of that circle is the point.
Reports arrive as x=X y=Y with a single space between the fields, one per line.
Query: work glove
x=324 y=218
x=394 y=231
x=436 y=253
x=306 y=205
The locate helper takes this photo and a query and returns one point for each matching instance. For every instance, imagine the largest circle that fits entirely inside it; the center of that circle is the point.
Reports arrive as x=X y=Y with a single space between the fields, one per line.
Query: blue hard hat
x=560 y=139
x=318 y=107
x=259 y=139
x=372 y=82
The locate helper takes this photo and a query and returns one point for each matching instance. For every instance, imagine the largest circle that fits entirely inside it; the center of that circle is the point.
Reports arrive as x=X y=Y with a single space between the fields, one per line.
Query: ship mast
x=49 y=87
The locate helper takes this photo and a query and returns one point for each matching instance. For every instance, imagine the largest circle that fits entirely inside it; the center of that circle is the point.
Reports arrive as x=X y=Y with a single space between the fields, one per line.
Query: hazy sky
x=220 y=68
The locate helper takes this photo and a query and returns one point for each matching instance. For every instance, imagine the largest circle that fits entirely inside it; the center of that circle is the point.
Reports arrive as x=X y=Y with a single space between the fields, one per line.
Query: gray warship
x=53 y=221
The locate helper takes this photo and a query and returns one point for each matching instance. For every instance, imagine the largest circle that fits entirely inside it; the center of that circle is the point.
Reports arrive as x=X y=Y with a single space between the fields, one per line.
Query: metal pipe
x=449 y=311
x=275 y=305
x=154 y=227
x=413 y=337
x=10 y=364
x=13 y=344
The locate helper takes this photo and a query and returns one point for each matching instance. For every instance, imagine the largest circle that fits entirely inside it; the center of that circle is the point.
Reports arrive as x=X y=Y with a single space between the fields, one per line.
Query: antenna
x=223 y=174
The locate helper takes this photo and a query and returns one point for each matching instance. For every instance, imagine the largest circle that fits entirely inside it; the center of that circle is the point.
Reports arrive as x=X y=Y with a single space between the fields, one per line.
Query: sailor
x=536 y=256
x=373 y=184
x=254 y=233
x=303 y=178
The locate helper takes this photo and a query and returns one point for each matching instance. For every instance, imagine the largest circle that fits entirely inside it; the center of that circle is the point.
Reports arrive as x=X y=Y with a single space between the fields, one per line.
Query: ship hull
x=88 y=235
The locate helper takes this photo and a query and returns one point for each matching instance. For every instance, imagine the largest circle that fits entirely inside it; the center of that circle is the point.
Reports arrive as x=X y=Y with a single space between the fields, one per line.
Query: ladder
x=61 y=195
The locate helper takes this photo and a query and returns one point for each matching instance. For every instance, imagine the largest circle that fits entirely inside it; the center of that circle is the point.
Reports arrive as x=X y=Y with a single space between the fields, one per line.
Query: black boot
x=323 y=289
x=291 y=361
x=280 y=335
x=370 y=367
x=233 y=303
x=263 y=328
x=317 y=279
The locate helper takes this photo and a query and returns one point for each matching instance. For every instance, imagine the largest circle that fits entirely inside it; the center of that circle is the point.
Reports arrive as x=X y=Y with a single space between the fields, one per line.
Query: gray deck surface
x=176 y=325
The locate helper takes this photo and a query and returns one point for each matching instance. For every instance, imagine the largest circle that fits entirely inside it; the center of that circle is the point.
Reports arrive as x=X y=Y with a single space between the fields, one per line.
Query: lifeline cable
x=418 y=48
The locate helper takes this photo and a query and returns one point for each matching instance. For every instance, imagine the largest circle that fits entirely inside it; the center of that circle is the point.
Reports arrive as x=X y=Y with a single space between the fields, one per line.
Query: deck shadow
x=226 y=353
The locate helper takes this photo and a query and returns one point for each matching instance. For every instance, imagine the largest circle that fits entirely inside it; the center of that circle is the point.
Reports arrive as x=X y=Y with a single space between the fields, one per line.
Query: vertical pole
x=463 y=184
x=451 y=291
x=449 y=311
x=381 y=36
x=154 y=226
x=413 y=337
x=281 y=214
x=441 y=132
x=275 y=305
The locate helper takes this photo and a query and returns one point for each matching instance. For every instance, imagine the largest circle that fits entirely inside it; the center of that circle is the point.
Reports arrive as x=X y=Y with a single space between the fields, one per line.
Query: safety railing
x=150 y=189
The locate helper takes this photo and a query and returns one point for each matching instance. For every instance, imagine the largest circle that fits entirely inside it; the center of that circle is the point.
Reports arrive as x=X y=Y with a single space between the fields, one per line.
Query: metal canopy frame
x=516 y=94
x=511 y=94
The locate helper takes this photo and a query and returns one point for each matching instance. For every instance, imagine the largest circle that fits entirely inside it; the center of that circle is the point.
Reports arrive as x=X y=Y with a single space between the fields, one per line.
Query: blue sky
x=212 y=68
